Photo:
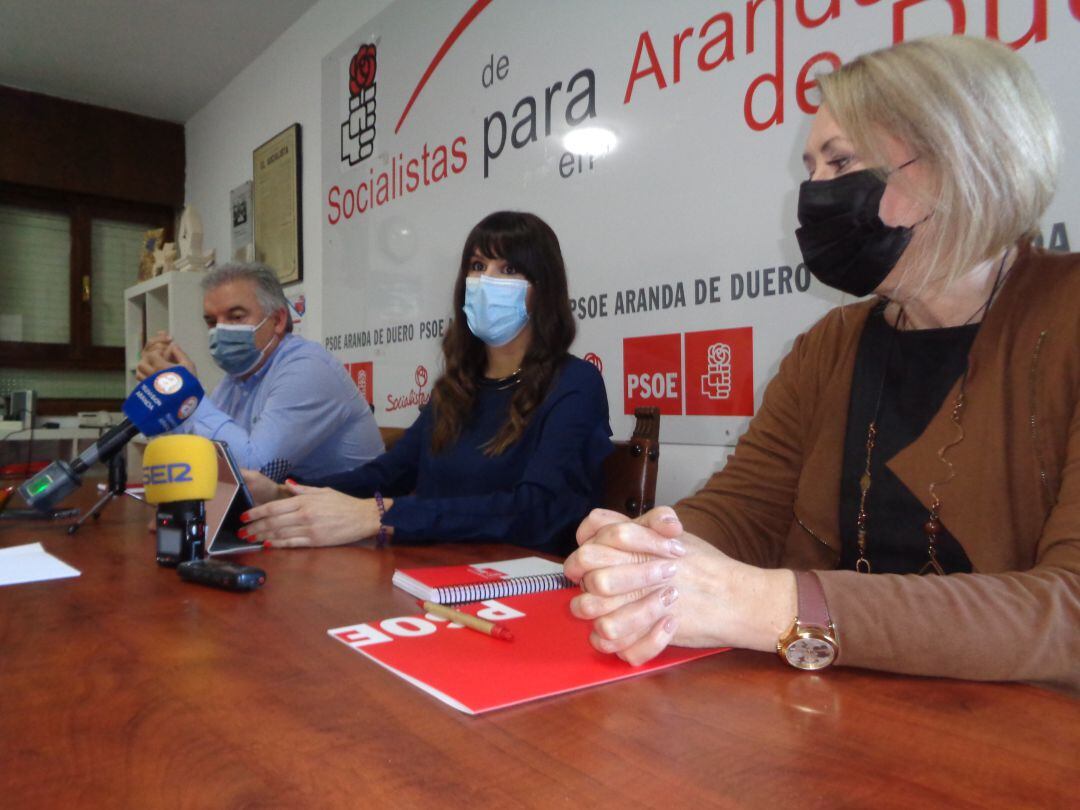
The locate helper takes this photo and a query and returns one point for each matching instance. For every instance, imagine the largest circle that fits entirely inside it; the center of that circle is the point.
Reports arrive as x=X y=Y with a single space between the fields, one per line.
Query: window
x=35 y=265
x=65 y=262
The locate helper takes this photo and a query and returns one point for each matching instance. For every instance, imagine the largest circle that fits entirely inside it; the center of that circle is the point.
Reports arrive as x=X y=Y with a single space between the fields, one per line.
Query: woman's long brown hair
x=528 y=245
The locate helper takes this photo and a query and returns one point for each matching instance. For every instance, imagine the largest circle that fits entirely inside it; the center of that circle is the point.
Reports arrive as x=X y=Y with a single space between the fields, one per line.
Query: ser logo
x=358 y=129
x=176 y=473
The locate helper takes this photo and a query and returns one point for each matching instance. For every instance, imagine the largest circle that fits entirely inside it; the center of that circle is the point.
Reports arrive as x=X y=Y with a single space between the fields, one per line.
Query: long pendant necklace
x=933 y=527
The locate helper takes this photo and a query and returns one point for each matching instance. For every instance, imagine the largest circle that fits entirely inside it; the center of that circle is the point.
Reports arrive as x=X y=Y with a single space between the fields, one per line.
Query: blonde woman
x=908 y=496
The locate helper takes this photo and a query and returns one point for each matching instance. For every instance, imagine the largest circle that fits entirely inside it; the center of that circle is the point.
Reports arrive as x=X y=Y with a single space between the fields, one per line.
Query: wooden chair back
x=630 y=471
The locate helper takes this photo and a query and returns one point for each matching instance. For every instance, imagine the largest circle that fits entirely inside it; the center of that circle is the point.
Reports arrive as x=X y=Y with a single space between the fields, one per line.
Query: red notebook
x=475 y=673
x=450 y=584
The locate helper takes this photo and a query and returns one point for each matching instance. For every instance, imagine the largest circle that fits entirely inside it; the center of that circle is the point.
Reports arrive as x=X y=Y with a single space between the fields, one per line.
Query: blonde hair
x=972 y=110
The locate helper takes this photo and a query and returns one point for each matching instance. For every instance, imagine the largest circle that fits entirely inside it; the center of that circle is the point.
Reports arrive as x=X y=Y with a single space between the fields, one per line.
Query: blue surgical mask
x=495 y=308
x=233 y=347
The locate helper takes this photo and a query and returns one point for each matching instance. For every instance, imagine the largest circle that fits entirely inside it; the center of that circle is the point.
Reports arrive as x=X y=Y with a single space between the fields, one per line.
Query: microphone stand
x=117 y=488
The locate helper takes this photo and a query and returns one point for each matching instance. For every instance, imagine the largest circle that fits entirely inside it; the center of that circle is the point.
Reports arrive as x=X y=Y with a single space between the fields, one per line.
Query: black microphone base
x=181 y=532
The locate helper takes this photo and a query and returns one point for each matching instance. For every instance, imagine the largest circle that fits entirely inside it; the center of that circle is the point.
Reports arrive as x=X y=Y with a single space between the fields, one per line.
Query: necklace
x=933 y=528
x=502 y=383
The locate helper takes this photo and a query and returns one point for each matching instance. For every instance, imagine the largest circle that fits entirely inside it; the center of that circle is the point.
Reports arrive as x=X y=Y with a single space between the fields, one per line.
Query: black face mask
x=843 y=241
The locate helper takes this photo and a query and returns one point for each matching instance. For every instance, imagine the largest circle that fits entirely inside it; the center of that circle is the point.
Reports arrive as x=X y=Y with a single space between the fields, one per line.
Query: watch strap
x=812 y=608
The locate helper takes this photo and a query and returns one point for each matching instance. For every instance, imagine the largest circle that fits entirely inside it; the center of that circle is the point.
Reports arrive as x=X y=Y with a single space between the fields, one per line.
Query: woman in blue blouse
x=510 y=448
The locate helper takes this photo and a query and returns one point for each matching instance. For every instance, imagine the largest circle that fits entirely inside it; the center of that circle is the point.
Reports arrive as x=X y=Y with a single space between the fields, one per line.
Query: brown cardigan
x=1014 y=504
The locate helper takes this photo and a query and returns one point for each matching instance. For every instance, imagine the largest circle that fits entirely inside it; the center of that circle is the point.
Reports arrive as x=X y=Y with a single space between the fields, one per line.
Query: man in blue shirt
x=286 y=405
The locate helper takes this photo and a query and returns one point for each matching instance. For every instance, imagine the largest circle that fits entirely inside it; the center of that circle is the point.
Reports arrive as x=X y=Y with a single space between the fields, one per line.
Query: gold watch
x=811 y=642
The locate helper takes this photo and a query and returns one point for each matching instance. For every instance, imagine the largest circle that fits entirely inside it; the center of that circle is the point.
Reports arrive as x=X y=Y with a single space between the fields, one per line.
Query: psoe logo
x=652 y=373
x=716 y=382
x=486 y=573
x=594 y=358
x=720 y=372
x=363 y=377
x=358 y=129
x=299 y=305
x=417 y=397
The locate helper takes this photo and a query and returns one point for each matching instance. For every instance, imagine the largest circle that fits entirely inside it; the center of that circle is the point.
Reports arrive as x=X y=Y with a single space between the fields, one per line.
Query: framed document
x=242 y=244
x=275 y=177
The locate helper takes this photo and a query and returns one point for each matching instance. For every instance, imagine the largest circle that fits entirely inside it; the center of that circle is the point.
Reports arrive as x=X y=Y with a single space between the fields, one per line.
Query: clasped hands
x=291 y=515
x=647 y=584
x=162 y=352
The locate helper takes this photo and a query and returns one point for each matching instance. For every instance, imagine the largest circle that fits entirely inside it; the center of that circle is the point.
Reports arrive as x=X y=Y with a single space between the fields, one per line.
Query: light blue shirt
x=299 y=415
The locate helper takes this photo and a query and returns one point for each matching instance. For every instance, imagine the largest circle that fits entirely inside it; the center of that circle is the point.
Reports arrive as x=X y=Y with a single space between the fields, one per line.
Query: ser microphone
x=157 y=404
x=180 y=474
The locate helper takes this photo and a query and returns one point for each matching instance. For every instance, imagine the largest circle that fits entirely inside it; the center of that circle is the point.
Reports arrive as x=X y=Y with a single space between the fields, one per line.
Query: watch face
x=810 y=653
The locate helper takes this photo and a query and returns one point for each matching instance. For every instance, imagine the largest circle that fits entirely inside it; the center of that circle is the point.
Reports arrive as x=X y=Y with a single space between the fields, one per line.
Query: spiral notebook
x=450 y=584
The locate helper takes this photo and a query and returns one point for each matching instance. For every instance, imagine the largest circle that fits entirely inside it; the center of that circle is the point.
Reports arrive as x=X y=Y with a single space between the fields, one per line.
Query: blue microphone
x=158 y=404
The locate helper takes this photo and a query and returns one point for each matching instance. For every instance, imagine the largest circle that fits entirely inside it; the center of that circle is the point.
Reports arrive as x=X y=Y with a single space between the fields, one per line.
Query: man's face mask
x=495 y=308
x=844 y=243
x=233 y=347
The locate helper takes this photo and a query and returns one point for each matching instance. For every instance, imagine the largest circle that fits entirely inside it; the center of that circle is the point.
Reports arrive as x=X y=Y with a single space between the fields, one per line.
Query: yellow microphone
x=180 y=474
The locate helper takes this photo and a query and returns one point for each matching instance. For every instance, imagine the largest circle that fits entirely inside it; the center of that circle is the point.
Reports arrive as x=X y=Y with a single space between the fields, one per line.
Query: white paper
x=241 y=240
x=31 y=563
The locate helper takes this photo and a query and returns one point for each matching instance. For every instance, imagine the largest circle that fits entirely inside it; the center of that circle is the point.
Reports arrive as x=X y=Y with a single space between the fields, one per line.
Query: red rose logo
x=362 y=70
x=421 y=376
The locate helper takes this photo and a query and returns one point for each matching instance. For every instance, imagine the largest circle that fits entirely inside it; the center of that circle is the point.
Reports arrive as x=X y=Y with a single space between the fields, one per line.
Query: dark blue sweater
x=535 y=493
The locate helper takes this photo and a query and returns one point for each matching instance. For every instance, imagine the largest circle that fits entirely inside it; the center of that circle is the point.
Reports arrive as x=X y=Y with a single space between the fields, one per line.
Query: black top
x=914 y=371
x=533 y=494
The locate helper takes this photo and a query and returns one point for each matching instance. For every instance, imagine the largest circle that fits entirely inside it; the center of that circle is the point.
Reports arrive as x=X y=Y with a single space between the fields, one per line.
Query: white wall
x=281 y=87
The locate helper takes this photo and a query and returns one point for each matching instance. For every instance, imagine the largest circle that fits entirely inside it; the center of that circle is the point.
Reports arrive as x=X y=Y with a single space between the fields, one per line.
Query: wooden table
x=126 y=687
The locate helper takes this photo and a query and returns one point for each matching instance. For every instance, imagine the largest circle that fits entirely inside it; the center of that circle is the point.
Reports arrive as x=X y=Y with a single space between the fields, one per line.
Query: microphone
x=180 y=474
x=156 y=405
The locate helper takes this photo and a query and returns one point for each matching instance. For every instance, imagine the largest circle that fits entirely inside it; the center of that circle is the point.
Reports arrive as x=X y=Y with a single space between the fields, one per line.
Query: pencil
x=472 y=622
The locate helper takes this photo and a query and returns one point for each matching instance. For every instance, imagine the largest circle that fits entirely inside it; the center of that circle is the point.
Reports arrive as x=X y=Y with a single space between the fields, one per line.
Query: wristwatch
x=811 y=642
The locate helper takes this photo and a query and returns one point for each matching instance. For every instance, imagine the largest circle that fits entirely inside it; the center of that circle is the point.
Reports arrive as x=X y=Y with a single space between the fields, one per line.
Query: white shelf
x=172 y=302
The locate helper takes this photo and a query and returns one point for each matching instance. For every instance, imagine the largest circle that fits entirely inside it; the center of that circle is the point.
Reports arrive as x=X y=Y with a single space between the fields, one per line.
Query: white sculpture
x=190 y=242
x=165 y=258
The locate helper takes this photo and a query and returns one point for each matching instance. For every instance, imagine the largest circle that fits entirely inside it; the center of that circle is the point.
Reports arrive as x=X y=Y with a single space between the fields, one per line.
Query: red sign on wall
x=720 y=372
x=652 y=373
x=363 y=376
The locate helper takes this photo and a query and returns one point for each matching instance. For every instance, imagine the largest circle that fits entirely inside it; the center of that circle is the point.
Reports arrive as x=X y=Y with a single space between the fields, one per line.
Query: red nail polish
x=245 y=517
x=290 y=482
x=267 y=544
x=242 y=534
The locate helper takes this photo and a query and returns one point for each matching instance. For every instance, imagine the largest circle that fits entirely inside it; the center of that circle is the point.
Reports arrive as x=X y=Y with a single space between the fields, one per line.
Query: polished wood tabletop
x=126 y=687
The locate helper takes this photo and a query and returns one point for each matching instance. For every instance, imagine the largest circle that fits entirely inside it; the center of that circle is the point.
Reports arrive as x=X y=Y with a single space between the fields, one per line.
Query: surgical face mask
x=844 y=243
x=495 y=308
x=233 y=347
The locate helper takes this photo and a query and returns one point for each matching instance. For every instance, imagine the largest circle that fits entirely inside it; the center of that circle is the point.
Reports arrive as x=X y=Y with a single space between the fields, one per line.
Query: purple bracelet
x=380 y=538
